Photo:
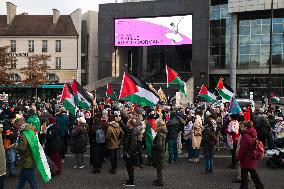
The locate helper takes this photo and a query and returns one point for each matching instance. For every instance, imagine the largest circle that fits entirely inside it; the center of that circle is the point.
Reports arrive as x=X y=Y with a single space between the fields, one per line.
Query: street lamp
x=270 y=55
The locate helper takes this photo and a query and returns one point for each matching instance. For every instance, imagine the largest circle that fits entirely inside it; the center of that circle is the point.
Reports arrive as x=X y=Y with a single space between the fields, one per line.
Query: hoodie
x=114 y=133
x=245 y=155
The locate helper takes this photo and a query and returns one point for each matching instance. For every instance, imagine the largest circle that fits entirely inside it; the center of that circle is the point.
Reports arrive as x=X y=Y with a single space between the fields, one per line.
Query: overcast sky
x=45 y=7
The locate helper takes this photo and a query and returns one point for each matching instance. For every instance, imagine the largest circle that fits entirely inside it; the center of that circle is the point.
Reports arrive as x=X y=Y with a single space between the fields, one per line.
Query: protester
x=150 y=133
x=173 y=127
x=232 y=138
x=97 y=145
x=141 y=129
x=262 y=126
x=53 y=146
x=27 y=163
x=188 y=138
x=2 y=159
x=245 y=156
x=113 y=135
x=159 y=152
x=208 y=142
x=63 y=122
x=196 y=136
x=10 y=137
x=80 y=140
x=130 y=151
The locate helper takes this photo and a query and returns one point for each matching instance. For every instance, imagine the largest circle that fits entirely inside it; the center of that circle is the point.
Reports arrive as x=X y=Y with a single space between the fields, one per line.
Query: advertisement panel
x=171 y=30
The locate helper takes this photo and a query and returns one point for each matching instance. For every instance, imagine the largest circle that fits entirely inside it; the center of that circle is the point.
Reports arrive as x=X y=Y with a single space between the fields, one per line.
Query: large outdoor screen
x=171 y=30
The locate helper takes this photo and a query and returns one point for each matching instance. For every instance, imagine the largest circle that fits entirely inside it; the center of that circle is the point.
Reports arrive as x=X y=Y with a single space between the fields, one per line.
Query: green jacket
x=26 y=156
x=34 y=120
x=159 y=148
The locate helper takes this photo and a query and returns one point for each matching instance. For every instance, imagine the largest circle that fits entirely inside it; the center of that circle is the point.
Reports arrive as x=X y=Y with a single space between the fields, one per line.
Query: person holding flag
x=150 y=133
x=233 y=131
x=31 y=154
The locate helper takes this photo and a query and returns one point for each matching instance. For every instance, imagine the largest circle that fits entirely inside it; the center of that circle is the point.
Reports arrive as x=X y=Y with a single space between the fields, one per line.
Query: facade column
x=233 y=52
x=144 y=62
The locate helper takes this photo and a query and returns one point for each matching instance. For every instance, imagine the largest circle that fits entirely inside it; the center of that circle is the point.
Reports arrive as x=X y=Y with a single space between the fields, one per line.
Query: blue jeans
x=192 y=153
x=2 y=182
x=11 y=158
x=209 y=163
x=27 y=174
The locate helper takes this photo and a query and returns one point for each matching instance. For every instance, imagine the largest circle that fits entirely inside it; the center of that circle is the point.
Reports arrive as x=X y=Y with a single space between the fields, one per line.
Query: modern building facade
x=240 y=45
x=190 y=61
x=89 y=48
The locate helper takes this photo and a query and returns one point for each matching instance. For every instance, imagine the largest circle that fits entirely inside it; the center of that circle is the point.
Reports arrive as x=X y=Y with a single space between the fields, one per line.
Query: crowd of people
x=126 y=130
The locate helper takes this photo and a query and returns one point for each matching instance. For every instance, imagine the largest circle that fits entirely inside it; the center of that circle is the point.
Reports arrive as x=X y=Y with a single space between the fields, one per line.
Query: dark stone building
x=149 y=62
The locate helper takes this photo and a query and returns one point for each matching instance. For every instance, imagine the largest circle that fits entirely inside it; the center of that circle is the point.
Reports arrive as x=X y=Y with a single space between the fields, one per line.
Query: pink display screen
x=173 y=30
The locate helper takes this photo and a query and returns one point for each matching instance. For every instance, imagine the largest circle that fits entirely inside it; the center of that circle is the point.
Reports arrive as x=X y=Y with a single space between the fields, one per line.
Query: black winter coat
x=52 y=140
x=130 y=143
x=80 y=139
x=262 y=125
x=208 y=140
x=174 y=126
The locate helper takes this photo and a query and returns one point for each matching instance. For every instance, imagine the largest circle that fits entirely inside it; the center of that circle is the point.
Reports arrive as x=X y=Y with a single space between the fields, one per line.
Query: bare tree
x=36 y=71
x=5 y=66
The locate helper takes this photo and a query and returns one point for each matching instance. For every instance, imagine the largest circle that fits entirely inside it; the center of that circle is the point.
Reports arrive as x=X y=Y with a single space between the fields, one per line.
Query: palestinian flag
x=206 y=95
x=82 y=98
x=109 y=93
x=275 y=99
x=173 y=78
x=150 y=133
x=38 y=154
x=234 y=107
x=68 y=99
x=137 y=91
x=224 y=90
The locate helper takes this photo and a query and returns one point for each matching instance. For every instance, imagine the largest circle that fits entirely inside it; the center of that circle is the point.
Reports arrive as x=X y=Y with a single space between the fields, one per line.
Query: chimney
x=11 y=12
x=56 y=15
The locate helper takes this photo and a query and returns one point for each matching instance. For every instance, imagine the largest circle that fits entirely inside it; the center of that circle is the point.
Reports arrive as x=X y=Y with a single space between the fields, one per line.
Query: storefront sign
x=13 y=54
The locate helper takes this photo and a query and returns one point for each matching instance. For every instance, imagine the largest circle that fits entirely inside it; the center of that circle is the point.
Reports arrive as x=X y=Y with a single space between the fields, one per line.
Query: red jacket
x=246 y=147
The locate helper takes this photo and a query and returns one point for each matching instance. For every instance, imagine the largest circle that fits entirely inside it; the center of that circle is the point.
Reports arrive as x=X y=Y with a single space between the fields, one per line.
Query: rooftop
x=37 y=25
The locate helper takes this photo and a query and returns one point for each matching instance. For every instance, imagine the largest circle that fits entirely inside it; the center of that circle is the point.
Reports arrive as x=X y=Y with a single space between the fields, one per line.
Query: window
x=58 y=46
x=255 y=35
x=31 y=46
x=52 y=78
x=44 y=62
x=13 y=63
x=44 y=45
x=13 y=45
x=15 y=77
x=58 y=63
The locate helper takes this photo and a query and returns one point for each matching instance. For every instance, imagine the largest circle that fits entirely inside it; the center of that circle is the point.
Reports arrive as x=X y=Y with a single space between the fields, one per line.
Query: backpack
x=258 y=150
x=100 y=136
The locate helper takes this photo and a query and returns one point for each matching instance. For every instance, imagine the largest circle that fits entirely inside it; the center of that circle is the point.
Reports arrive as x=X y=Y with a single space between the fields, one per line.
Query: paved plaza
x=180 y=174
